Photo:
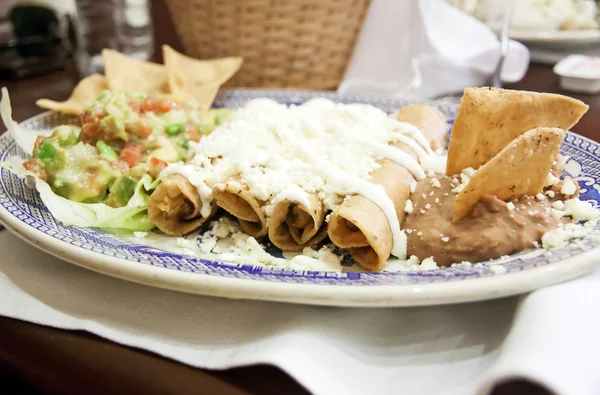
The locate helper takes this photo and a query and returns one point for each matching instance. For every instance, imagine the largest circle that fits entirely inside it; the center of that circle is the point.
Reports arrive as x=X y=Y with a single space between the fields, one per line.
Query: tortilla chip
x=133 y=76
x=86 y=91
x=489 y=118
x=198 y=79
x=519 y=169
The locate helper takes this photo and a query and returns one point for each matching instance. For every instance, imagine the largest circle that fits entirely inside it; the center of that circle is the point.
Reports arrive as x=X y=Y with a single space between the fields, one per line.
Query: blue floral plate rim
x=242 y=281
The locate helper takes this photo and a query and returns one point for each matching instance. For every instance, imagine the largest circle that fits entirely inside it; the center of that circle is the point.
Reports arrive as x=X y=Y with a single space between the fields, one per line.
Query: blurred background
x=38 y=36
x=418 y=49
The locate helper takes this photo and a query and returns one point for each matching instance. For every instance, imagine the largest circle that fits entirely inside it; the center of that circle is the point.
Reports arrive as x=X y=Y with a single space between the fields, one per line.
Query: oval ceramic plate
x=22 y=211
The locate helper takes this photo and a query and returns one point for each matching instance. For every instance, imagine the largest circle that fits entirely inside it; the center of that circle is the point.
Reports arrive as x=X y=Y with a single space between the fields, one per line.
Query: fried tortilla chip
x=519 y=169
x=198 y=79
x=133 y=76
x=86 y=91
x=489 y=118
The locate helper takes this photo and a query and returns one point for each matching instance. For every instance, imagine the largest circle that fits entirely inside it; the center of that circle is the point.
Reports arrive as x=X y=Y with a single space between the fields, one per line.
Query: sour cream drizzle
x=343 y=184
x=321 y=147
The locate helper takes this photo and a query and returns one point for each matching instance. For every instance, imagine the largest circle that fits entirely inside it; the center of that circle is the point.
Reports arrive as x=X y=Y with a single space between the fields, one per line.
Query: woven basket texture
x=303 y=44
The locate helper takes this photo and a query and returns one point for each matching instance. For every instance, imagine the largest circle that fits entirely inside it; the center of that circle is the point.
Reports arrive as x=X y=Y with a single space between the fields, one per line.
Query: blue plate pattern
x=24 y=204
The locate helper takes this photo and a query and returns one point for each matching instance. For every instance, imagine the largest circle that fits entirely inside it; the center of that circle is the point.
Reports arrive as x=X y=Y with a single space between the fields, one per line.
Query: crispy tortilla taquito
x=294 y=227
x=359 y=224
x=239 y=202
x=174 y=206
x=430 y=121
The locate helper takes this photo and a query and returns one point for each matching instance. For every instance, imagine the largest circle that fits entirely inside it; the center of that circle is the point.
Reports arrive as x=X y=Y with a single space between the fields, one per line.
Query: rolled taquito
x=430 y=121
x=235 y=198
x=174 y=206
x=293 y=226
x=359 y=225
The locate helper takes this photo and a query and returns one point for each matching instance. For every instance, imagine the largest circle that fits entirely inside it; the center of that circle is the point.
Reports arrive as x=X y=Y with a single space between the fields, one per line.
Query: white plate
x=22 y=211
x=556 y=38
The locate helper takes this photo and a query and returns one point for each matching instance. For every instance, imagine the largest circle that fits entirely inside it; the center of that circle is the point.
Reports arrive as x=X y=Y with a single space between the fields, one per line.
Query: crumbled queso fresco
x=320 y=148
x=225 y=238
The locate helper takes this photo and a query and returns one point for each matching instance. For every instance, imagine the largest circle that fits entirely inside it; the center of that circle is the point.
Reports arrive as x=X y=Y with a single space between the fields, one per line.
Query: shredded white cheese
x=428 y=264
x=321 y=147
x=465 y=177
x=568 y=187
x=580 y=210
x=560 y=236
x=551 y=180
x=497 y=269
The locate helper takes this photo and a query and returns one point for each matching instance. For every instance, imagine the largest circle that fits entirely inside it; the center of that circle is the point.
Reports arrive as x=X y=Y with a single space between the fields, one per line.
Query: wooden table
x=36 y=359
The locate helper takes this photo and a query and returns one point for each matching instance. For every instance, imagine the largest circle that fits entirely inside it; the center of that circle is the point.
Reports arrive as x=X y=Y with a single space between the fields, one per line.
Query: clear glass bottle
x=123 y=25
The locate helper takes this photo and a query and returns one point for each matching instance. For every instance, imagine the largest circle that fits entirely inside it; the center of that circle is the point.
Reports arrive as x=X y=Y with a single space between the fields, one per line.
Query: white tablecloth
x=550 y=337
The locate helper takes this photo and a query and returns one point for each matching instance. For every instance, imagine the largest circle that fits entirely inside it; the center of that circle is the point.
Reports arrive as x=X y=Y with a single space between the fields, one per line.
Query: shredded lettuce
x=132 y=217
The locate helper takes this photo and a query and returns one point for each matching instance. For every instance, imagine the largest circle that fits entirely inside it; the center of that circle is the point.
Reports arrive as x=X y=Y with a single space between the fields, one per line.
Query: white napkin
x=462 y=349
x=425 y=49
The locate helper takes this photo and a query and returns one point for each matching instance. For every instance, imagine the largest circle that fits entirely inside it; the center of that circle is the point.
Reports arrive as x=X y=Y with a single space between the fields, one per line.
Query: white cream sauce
x=321 y=147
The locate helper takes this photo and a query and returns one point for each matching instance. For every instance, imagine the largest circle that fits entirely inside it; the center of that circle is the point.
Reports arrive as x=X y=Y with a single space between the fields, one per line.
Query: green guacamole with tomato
x=122 y=138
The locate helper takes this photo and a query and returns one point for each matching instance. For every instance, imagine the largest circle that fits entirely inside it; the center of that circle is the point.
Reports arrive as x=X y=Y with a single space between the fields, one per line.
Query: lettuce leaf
x=24 y=138
x=132 y=217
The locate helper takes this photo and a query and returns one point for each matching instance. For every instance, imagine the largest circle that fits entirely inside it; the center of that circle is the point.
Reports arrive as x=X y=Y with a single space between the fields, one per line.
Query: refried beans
x=490 y=231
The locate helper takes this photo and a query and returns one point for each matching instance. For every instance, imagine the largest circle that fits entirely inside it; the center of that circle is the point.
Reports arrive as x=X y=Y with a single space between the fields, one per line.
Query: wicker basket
x=285 y=43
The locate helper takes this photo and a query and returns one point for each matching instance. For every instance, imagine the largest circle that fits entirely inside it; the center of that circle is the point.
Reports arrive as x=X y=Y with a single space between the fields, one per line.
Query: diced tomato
x=140 y=129
x=155 y=166
x=157 y=162
x=192 y=133
x=131 y=154
x=91 y=128
x=34 y=166
x=157 y=105
x=88 y=117
x=149 y=104
x=38 y=141
x=166 y=105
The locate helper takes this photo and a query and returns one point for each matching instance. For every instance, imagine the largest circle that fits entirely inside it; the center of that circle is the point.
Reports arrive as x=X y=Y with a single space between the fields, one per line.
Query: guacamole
x=122 y=138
